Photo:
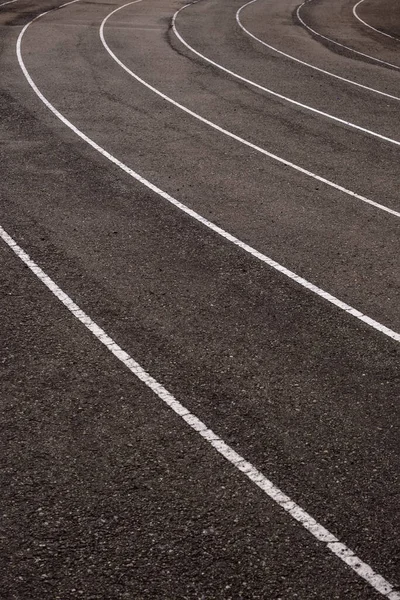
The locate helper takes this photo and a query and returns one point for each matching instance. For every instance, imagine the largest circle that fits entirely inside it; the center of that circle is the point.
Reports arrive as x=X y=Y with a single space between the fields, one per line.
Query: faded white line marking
x=248 y=469
x=373 y=58
x=306 y=64
x=231 y=238
x=8 y=2
x=230 y=134
x=275 y=94
x=370 y=26
x=379 y=583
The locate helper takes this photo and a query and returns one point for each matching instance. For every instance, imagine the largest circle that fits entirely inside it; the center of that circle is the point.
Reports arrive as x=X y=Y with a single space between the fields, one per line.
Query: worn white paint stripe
x=231 y=238
x=373 y=58
x=272 y=491
x=302 y=62
x=275 y=94
x=232 y=135
x=8 y=2
x=378 y=582
x=355 y=13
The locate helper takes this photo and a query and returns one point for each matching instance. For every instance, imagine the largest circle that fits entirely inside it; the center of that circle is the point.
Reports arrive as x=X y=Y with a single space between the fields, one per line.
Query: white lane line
x=378 y=60
x=302 y=62
x=379 y=583
x=355 y=13
x=231 y=238
x=230 y=134
x=330 y=541
x=8 y=2
x=275 y=94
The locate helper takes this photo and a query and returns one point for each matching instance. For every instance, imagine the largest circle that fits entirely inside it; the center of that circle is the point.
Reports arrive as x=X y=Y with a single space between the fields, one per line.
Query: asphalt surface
x=105 y=492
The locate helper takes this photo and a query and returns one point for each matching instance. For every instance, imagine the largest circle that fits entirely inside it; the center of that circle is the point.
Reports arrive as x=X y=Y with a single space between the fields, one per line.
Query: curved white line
x=378 y=60
x=303 y=62
x=370 y=26
x=252 y=251
x=319 y=532
x=362 y=569
x=275 y=94
x=8 y=2
x=232 y=135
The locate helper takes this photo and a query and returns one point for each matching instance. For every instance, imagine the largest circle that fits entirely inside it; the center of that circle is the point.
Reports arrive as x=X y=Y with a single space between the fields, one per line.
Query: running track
x=200 y=321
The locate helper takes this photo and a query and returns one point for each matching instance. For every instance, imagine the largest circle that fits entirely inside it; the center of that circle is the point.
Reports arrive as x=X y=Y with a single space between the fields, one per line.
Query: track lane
x=128 y=288
x=384 y=17
x=106 y=494
x=252 y=217
x=281 y=24
x=362 y=46
x=331 y=542
x=357 y=16
x=317 y=112
x=211 y=29
x=239 y=16
x=229 y=134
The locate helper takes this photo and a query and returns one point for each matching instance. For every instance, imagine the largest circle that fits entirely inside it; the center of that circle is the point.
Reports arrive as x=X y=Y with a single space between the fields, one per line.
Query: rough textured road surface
x=218 y=190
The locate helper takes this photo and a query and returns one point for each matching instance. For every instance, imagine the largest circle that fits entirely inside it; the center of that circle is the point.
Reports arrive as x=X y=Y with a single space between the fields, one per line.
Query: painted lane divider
x=330 y=541
x=275 y=94
x=373 y=58
x=8 y=2
x=355 y=13
x=232 y=135
x=193 y=214
x=302 y=62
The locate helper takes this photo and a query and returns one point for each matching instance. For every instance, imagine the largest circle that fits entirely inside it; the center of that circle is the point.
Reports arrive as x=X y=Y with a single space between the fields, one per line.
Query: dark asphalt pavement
x=105 y=492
